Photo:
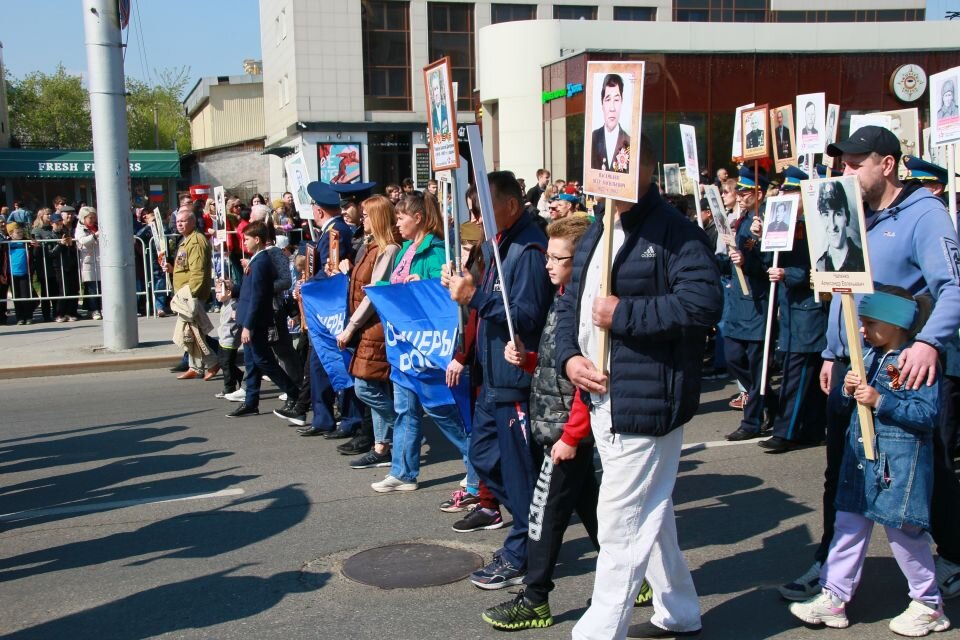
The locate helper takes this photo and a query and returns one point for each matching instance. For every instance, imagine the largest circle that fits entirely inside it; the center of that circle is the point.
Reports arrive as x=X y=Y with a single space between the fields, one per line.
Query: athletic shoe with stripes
x=517 y=614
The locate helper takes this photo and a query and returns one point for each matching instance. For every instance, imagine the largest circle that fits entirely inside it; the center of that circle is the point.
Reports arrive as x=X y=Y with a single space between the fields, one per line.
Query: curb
x=90 y=366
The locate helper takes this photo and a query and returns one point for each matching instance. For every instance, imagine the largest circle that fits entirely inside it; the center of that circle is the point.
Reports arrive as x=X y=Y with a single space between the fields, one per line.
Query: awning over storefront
x=54 y=163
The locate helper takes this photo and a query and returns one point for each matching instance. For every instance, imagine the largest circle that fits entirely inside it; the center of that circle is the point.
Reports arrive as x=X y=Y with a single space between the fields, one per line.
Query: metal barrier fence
x=59 y=274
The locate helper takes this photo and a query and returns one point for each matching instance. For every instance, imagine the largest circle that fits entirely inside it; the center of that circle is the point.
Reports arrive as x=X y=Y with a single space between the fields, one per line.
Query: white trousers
x=638 y=535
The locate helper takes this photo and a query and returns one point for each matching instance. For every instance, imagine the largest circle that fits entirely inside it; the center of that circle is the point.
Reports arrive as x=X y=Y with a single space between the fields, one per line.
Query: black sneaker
x=288 y=410
x=497 y=575
x=479 y=520
x=518 y=613
x=355 y=446
x=372 y=459
x=243 y=411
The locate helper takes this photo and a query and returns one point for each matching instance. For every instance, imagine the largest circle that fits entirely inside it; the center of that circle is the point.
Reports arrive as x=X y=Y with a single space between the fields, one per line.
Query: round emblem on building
x=908 y=82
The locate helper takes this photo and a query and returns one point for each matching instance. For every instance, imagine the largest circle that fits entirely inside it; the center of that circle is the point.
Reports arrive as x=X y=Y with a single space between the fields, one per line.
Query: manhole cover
x=410 y=565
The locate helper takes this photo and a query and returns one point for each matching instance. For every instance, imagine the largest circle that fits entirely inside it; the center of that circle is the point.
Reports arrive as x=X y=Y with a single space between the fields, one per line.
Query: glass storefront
x=705 y=89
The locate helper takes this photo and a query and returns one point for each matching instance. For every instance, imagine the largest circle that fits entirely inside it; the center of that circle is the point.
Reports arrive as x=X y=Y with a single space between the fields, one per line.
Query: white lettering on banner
x=74 y=167
x=333 y=324
x=422 y=345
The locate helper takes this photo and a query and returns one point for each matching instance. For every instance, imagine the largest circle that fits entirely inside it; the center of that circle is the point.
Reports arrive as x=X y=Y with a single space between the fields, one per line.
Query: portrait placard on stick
x=784 y=141
x=442 y=122
x=811 y=123
x=725 y=230
x=840 y=259
x=837 y=235
x=736 y=150
x=671 y=179
x=611 y=154
x=297 y=180
x=832 y=131
x=691 y=160
x=944 y=113
x=779 y=223
x=753 y=129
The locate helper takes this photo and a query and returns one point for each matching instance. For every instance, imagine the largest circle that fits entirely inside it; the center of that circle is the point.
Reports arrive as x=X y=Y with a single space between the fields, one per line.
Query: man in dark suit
x=782 y=134
x=755 y=135
x=610 y=139
x=254 y=316
x=810 y=116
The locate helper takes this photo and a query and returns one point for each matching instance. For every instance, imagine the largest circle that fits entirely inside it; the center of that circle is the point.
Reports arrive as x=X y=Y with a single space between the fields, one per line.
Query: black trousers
x=304 y=401
x=802 y=405
x=745 y=363
x=68 y=285
x=561 y=489
x=944 y=507
x=227 y=358
x=23 y=289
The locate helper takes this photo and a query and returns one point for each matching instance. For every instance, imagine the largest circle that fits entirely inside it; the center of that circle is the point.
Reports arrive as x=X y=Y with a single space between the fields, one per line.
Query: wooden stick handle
x=856 y=363
x=606 y=263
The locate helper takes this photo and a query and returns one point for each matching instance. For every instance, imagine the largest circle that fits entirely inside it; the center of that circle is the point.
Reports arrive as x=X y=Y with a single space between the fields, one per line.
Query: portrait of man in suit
x=610 y=143
x=810 y=117
x=754 y=133
x=782 y=135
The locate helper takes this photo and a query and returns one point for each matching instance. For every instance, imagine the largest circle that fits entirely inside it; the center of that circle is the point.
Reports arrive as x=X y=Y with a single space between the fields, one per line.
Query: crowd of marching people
x=536 y=406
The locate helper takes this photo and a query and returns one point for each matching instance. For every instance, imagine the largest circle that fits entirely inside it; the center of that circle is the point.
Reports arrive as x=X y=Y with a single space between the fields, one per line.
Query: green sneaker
x=518 y=614
x=645 y=596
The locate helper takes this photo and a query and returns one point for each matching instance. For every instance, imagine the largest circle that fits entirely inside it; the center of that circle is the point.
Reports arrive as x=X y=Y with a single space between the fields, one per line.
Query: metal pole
x=101 y=26
x=156 y=128
x=952 y=182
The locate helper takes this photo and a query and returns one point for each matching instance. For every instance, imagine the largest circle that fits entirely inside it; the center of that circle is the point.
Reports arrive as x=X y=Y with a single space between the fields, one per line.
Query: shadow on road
x=192 y=535
x=198 y=603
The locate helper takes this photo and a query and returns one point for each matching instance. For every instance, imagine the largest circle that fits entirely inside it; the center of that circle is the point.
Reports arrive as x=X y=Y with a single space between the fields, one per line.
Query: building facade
x=227 y=133
x=696 y=74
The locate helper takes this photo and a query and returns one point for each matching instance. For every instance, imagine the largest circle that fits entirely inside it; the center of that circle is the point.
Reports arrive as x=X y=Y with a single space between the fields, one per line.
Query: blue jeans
x=406 y=435
x=378 y=396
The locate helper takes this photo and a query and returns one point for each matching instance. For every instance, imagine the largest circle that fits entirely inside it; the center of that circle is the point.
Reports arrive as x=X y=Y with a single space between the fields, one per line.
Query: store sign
x=908 y=82
x=46 y=168
x=54 y=163
x=571 y=90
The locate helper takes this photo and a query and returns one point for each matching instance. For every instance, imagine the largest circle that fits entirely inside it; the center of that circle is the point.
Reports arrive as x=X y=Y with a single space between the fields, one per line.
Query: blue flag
x=420 y=325
x=325 y=306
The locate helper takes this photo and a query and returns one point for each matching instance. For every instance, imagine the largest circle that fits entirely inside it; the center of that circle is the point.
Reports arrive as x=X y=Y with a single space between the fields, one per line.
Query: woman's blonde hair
x=38 y=222
x=381 y=220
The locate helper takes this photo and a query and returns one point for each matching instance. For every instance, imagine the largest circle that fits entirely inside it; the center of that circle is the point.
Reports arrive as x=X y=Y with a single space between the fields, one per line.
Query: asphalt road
x=152 y=515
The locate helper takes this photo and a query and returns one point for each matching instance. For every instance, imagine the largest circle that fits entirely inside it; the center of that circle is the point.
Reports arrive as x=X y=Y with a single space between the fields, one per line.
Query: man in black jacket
x=665 y=294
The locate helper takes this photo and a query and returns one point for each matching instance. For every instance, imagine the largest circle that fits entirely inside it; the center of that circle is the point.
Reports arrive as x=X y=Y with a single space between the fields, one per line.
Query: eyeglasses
x=551 y=259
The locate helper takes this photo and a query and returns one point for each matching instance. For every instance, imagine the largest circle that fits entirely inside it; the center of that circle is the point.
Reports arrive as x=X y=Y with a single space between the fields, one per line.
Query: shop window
x=385 y=36
x=574 y=12
x=512 y=12
x=451 y=33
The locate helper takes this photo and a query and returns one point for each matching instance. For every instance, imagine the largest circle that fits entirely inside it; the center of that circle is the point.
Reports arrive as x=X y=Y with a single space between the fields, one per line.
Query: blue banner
x=420 y=325
x=325 y=306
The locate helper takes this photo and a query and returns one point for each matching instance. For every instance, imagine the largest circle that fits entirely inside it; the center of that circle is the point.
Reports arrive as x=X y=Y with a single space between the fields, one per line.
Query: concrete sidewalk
x=49 y=348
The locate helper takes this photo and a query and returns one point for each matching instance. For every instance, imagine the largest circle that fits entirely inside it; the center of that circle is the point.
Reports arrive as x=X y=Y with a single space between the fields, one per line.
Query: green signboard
x=53 y=163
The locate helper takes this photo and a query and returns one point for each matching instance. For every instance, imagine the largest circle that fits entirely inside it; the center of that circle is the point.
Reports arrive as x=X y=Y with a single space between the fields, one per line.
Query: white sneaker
x=948 y=578
x=237 y=396
x=919 y=620
x=825 y=608
x=463 y=483
x=266 y=379
x=97 y=315
x=805 y=586
x=282 y=397
x=390 y=483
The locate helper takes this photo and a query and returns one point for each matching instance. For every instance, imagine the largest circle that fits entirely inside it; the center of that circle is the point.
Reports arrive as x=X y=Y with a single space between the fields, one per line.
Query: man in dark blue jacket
x=501 y=449
x=317 y=392
x=744 y=315
x=665 y=295
x=254 y=316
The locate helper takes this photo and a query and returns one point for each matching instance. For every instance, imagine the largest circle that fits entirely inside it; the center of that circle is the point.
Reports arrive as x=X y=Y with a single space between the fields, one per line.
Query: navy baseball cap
x=323 y=196
x=868 y=139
